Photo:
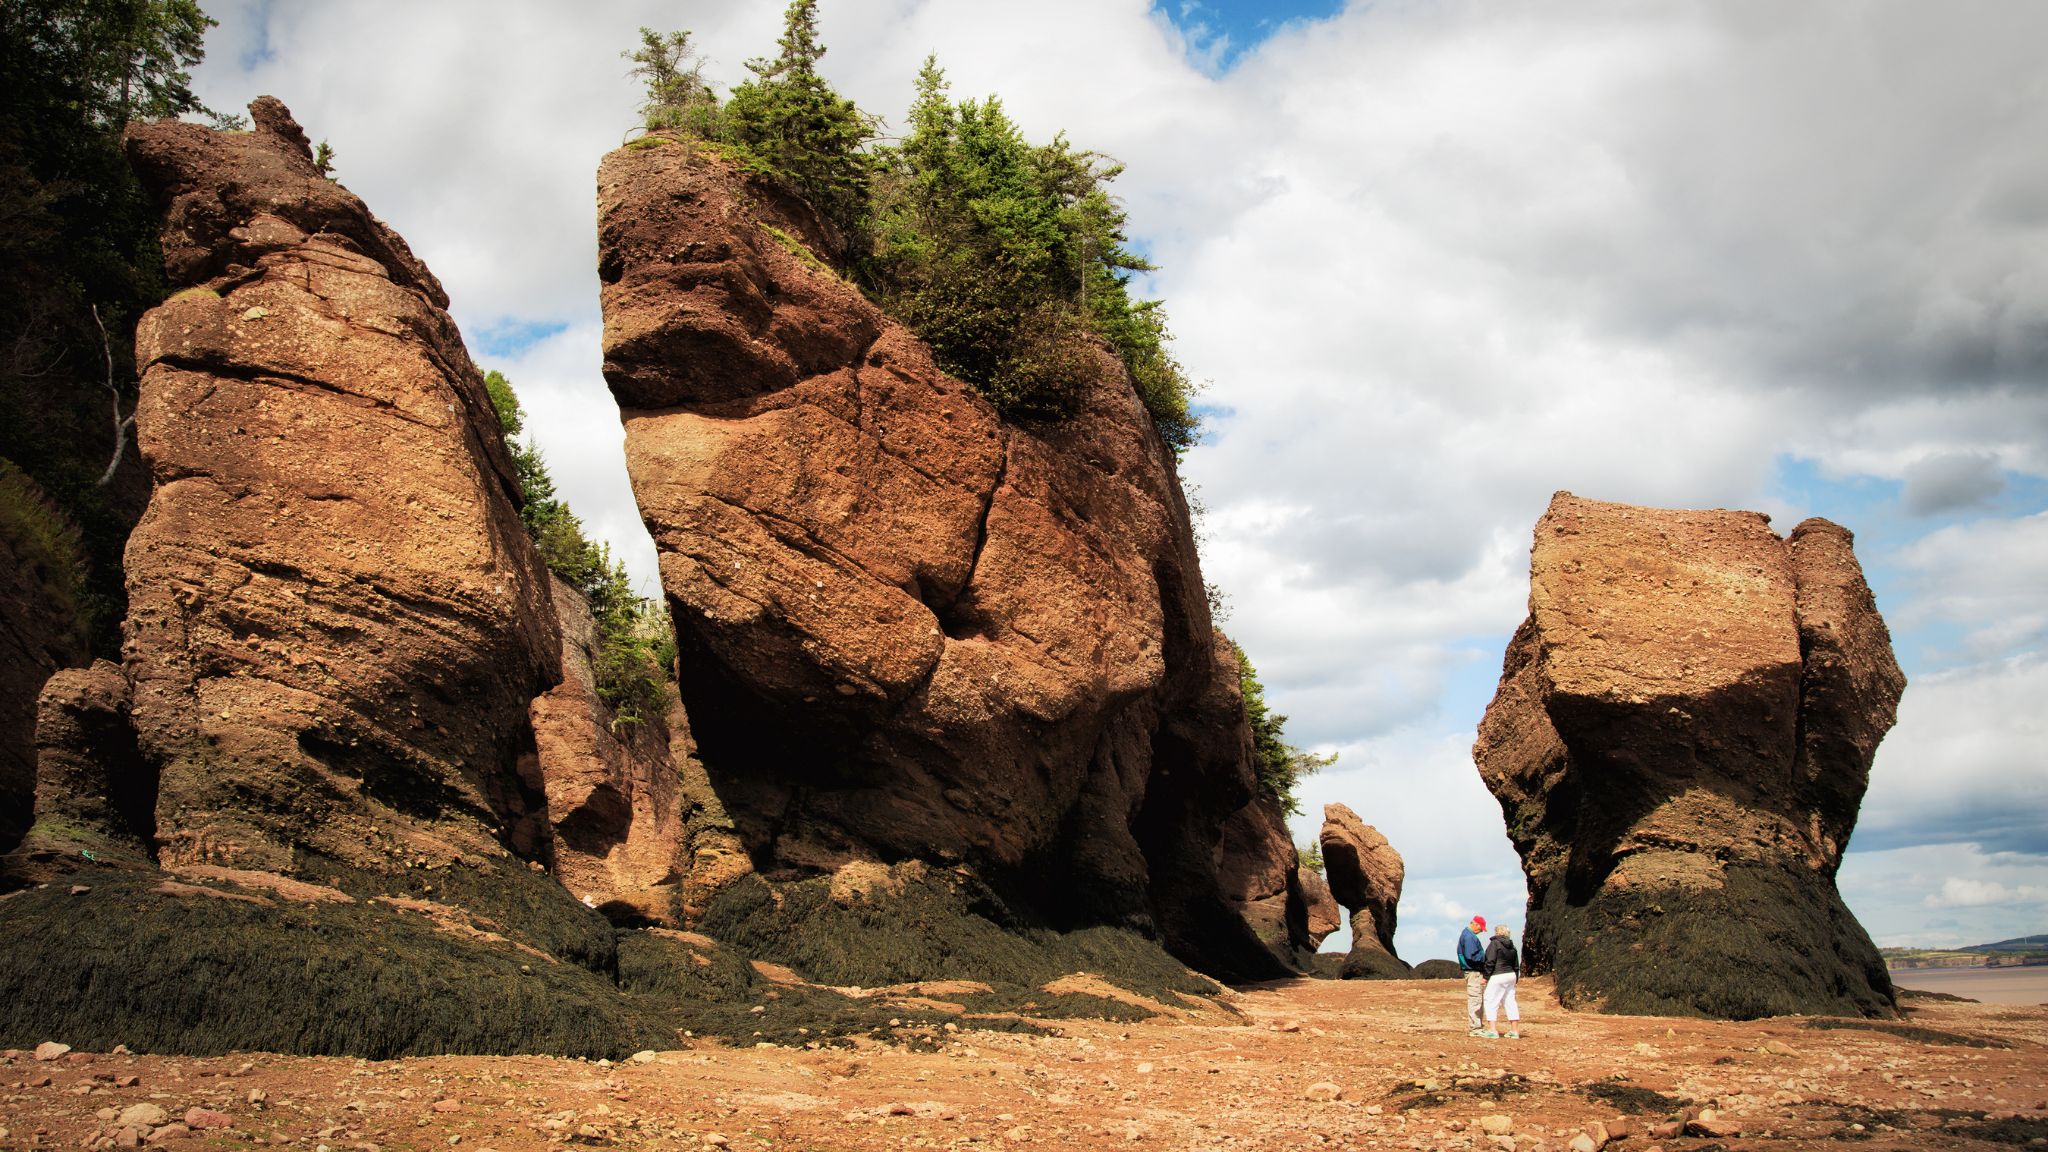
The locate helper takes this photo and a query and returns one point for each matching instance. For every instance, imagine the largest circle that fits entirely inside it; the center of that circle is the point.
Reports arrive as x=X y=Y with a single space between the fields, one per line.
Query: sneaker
x=1475 y=1032
x=1513 y=1035
x=1490 y=1034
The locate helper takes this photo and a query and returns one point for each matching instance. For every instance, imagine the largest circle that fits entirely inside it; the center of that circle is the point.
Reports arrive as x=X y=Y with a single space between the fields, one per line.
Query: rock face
x=614 y=797
x=1324 y=914
x=336 y=619
x=93 y=787
x=1681 y=738
x=908 y=628
x=1365 y=876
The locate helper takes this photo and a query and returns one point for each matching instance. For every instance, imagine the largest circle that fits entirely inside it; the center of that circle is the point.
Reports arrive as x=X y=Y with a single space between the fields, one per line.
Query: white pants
x=1500 y=991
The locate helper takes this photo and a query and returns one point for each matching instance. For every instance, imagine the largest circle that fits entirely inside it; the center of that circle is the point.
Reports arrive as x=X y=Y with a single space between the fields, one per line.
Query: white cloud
x=1946 y=895
x=1986 y=578
x=1957 y=892
x=1965 y=763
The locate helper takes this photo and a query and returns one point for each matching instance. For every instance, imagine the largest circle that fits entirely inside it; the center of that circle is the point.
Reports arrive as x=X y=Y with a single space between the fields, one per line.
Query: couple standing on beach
x=1489 y=979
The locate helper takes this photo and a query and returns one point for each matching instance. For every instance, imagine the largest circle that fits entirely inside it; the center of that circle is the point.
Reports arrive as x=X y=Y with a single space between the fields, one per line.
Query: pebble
x=716 y=1139
x=143 y=1115
x=1496 y=1125
x=1583 y=1143
x=1323 y=1091
x=447 y=1105
x=51 y=1050
x=644 y=1056
x=202 y=1118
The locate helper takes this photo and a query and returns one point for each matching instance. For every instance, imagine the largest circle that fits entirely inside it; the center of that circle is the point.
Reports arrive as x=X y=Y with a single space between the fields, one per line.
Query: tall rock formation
x=1365 y=876
x=336 y=619
x=909 y=629
x=1681 y=738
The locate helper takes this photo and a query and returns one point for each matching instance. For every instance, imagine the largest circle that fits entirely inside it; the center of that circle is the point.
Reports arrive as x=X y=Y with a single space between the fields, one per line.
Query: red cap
x=1479 y=920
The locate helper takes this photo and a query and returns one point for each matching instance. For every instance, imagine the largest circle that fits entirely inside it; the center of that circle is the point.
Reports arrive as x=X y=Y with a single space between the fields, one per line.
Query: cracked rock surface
x=336 y=617
x=1681 y=738
x=909 y=628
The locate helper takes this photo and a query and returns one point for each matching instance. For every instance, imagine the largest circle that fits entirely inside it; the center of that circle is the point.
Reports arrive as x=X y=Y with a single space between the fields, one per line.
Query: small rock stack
x=1365 y=876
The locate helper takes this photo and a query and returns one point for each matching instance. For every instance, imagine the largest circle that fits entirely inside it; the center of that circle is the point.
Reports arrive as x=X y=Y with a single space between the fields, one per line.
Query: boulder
x=1680 y=740
x=336 y=623
x=614 y=797
x=909 y=628
x=1365 y=875
x=336 y=618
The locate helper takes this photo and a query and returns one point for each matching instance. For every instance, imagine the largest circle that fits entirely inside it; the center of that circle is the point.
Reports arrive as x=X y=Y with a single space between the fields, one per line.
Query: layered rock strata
x=1681 y=737
x=336 y=619
x=910 y=629
x=1365 y=875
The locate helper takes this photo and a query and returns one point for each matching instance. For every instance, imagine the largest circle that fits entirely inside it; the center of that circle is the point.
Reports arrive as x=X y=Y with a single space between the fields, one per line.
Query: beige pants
x=1475 y=995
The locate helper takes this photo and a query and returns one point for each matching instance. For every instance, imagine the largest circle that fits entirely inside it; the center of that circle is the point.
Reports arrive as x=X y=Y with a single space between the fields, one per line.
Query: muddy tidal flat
x=1990 y=985
x=1304 y=1064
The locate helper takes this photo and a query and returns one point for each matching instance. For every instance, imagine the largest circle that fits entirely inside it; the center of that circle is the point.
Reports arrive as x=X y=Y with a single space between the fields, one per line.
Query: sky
x=1434 y=260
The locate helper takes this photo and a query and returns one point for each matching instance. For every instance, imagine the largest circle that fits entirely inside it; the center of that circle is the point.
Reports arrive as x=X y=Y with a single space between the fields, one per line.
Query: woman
x=1501 y=963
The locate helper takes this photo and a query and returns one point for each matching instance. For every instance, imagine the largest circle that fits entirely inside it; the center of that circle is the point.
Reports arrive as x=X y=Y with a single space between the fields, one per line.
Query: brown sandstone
x=909 y=628
x=1324 y=914
x=613 y=793
x=1680 y=741
x=336 y=619
x=1365 y=876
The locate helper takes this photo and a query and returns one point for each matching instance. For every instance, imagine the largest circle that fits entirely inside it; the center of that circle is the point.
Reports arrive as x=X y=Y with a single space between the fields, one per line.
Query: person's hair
x=1500 y=930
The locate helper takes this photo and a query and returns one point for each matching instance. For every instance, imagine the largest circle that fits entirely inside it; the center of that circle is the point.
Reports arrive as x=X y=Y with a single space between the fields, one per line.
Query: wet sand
x=1989 y=985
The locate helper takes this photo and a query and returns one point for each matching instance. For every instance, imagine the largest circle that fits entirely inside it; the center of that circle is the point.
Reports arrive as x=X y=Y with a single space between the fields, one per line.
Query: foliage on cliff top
x=1280 y=765
x=636 y=644
x=1010 y=259
x=80 y=235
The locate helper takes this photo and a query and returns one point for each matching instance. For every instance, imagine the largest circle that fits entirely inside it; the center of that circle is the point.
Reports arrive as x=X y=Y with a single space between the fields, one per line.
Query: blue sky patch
x=508 y=338
x=1220 y=31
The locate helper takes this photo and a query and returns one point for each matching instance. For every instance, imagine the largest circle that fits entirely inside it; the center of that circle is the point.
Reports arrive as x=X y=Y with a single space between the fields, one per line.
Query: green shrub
x=1010 y=259
x=1280 y=765
x=636 y=642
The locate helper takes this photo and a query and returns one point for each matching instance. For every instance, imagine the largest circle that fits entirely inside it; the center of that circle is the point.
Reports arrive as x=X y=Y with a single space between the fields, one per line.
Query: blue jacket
x=1471 y=955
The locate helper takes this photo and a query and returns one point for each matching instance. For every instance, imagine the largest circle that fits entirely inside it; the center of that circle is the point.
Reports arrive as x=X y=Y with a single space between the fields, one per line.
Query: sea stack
x=1681 y=737
x=1365 y=877
x=912 y=630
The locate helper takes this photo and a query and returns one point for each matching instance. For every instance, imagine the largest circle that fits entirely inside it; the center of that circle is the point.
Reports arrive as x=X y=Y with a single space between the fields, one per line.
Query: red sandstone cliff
x=910 y=629
x=336 y=620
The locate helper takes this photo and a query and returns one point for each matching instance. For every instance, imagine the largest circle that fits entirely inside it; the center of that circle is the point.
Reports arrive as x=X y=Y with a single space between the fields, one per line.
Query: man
x=1472 y=961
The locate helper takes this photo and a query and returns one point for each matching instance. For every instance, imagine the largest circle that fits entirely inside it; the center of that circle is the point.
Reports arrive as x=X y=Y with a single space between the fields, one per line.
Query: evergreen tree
x=79 y=260
x=789 y=120
x=1006 y=256
x=1279 y=765
x=677 y=96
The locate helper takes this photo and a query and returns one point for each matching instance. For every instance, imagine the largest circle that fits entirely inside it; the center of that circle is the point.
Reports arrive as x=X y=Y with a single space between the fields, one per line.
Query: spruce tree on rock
x=800 y=130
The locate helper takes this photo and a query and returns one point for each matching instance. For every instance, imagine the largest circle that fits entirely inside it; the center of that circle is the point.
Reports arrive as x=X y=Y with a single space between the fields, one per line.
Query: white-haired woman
x=1502 y=961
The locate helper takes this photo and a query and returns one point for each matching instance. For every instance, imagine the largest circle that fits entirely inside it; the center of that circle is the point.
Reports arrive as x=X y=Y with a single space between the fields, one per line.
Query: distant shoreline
x=2000 y=984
